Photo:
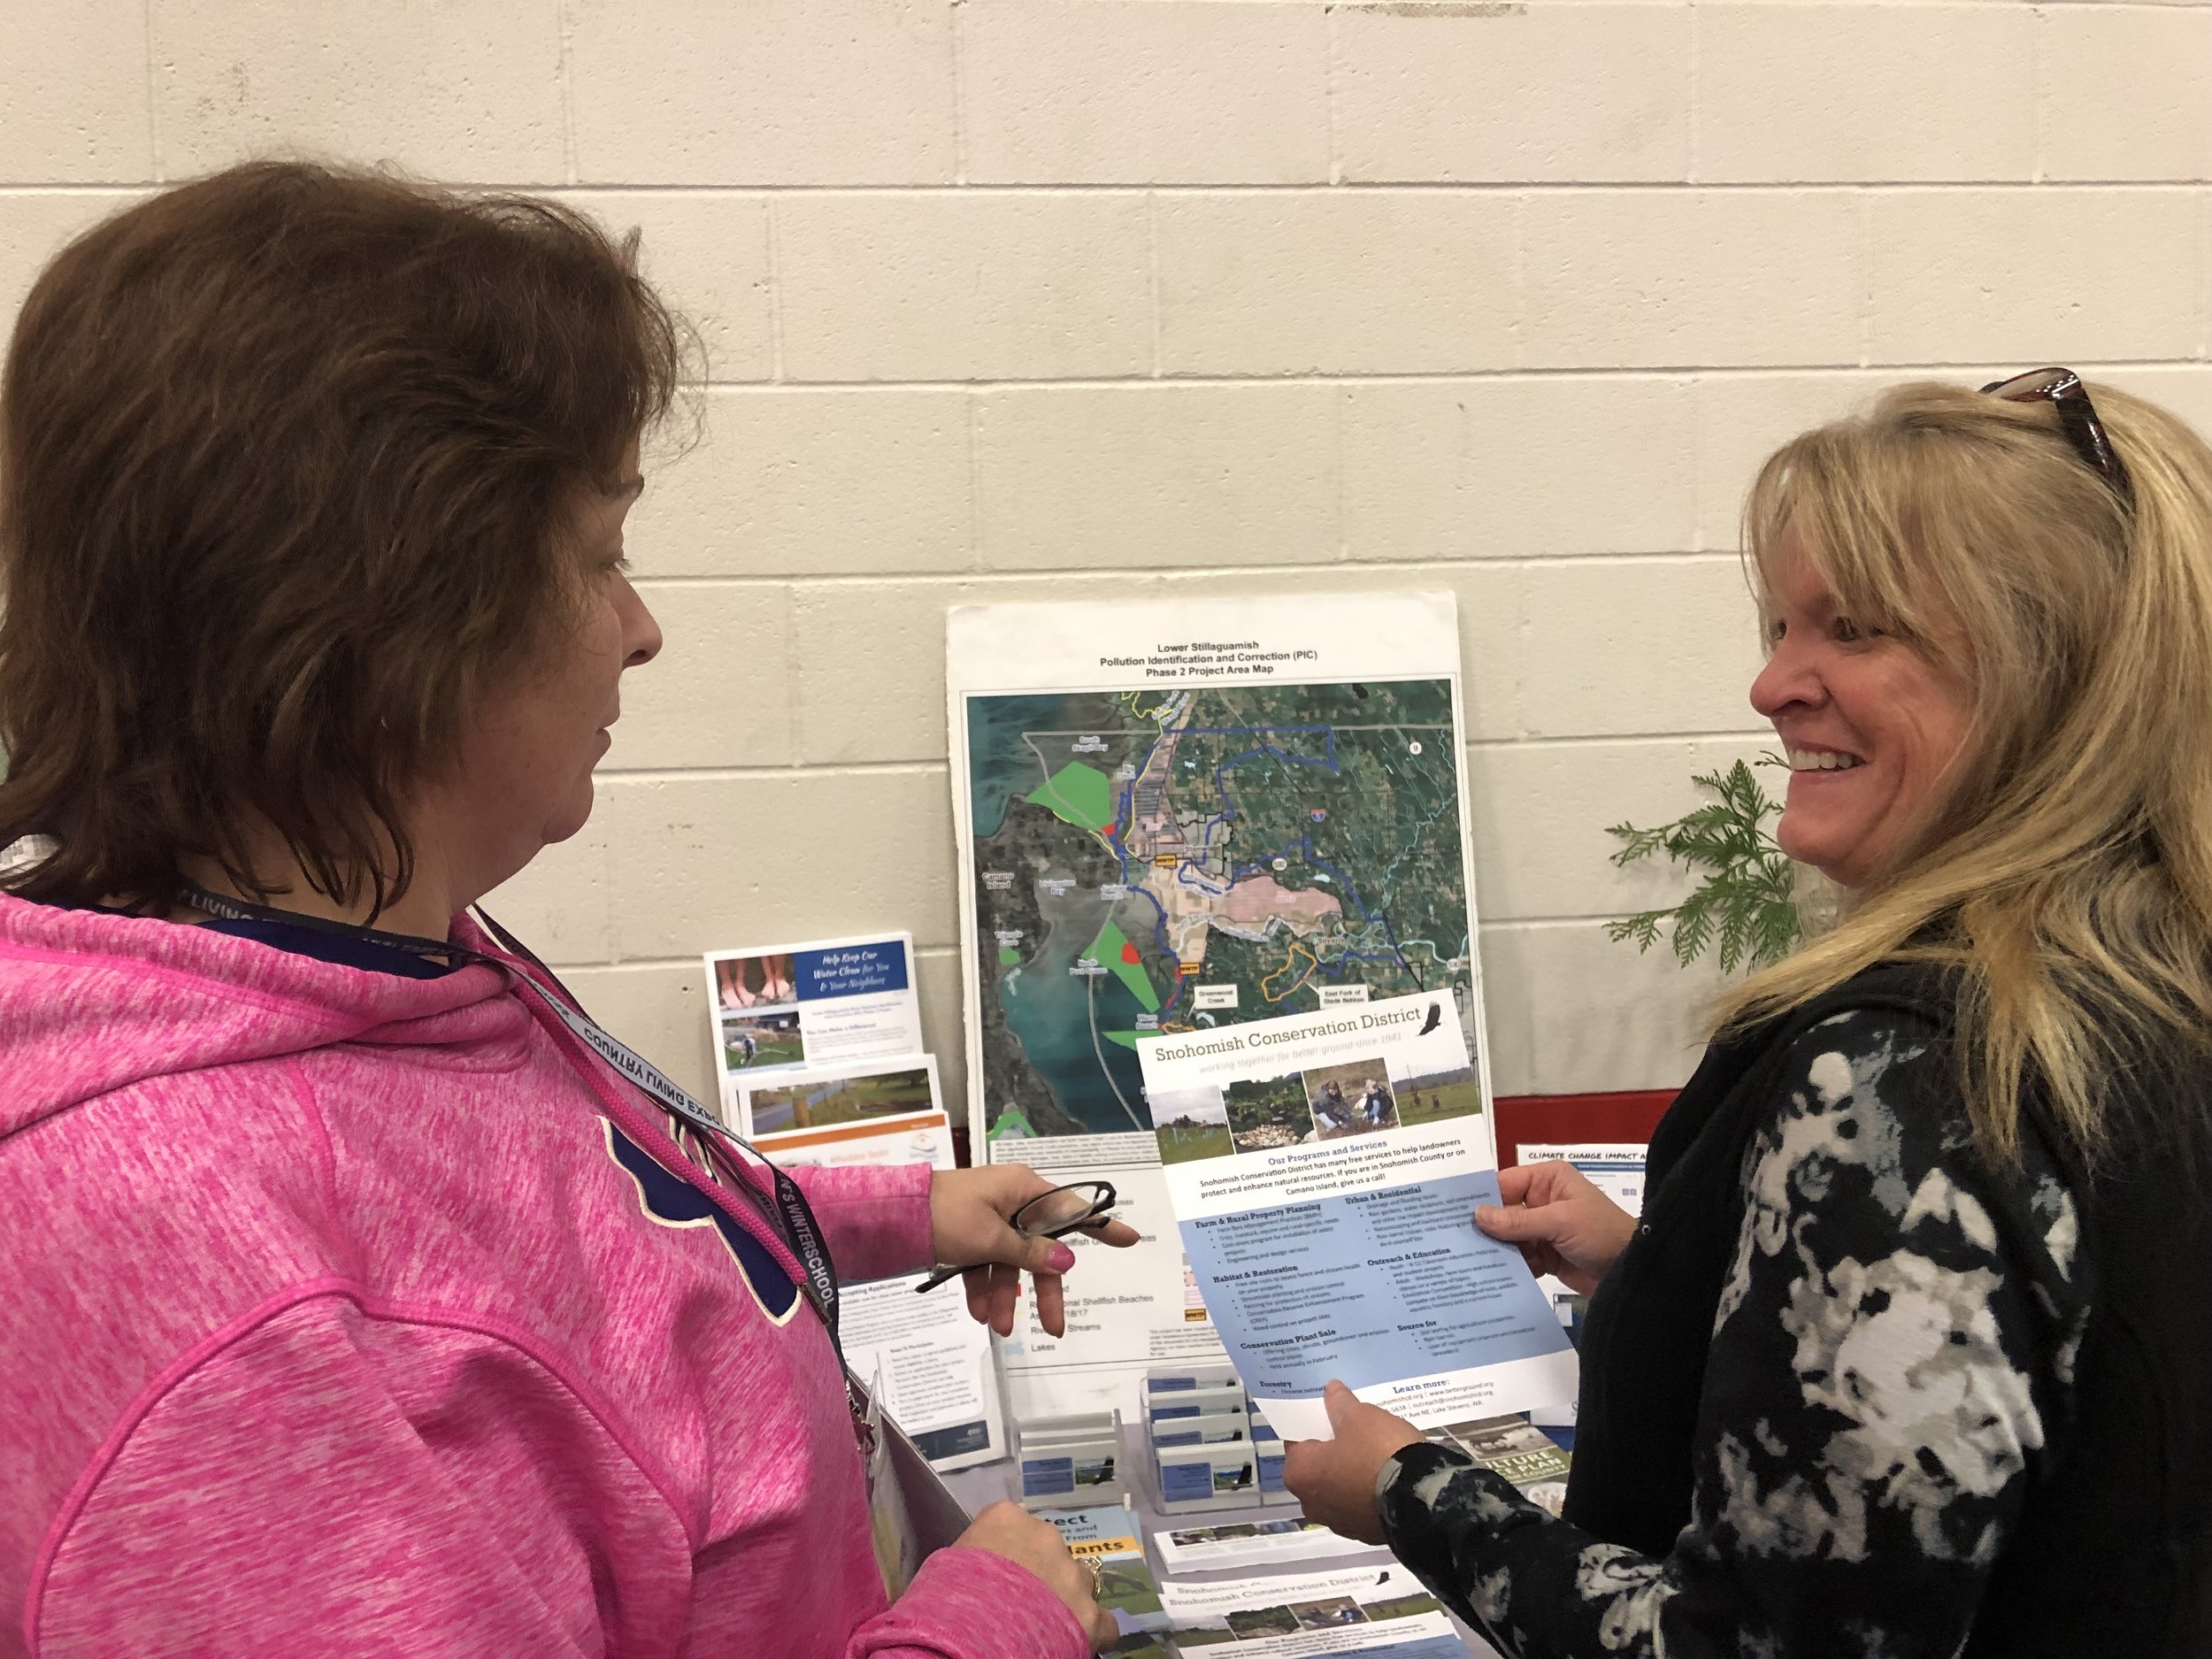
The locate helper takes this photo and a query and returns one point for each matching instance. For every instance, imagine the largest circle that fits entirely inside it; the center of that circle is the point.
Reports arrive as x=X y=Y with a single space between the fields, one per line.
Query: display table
x=988 y=1483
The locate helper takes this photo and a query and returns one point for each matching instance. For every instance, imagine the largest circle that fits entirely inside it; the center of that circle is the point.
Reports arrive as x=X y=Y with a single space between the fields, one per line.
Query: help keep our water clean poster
x=1324 y=1168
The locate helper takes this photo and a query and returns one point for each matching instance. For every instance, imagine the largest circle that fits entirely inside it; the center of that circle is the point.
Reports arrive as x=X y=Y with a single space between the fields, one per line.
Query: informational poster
x=1324 y=1169
x=824 y=1003
x=1378 y=1608
x=928 y=1360
x=1176 y=818
x=1616 y=1167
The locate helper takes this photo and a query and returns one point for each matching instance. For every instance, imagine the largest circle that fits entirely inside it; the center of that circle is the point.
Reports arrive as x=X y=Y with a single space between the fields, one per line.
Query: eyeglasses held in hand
x=2062 y=389
x=1047 y=1216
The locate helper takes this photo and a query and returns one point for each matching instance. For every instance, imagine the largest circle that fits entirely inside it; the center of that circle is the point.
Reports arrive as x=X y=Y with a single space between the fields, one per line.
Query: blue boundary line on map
x=1186 y=867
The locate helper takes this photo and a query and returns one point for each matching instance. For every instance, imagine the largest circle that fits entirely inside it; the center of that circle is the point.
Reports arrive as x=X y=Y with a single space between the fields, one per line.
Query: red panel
x=1556 y=1118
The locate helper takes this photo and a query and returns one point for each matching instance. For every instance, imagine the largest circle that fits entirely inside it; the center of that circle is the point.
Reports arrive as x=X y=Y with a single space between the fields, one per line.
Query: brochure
x=1176 y=818
x=1524 y=1454
x=932 y=1360
x=1106 y=1537
x=1372 y=1608
x=1324 y=1169
x=829 y=1002
x=1253 y=1544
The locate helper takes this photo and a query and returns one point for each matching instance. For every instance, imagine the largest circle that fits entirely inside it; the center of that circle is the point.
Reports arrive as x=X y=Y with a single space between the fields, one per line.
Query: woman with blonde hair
x=1911 y=1351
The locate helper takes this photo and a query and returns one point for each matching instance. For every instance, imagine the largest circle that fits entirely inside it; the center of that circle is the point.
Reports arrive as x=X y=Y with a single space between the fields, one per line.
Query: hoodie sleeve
x=400 y=1487
x=970 y=1604
x=877 y=1216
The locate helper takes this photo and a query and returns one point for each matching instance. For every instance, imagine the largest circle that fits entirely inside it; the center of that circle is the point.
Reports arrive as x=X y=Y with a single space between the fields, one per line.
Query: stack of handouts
x=818 y=1047
x=1377 y=1608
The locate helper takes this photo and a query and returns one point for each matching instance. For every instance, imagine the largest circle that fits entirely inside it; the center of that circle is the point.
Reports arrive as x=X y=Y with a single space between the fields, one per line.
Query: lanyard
x=800 y=1229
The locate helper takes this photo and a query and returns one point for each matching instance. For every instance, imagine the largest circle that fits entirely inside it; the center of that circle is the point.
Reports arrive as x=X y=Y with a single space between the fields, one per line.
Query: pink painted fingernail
x=1061 y=1259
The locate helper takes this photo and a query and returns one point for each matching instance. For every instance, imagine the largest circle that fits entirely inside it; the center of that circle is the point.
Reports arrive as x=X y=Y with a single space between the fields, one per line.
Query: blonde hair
x=2064 y=878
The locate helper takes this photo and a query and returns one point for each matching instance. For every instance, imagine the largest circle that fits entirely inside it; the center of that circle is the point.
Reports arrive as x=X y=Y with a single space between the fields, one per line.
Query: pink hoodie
x=335 y=1323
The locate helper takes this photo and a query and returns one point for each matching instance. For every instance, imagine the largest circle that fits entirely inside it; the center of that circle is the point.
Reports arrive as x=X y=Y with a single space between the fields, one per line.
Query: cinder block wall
x=1024 y=299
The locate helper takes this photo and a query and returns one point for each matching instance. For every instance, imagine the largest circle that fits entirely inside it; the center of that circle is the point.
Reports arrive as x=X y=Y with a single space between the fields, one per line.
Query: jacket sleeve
x=1891 y=1358
x=287 y=1493
x=876 y=1216
x=970 y=1604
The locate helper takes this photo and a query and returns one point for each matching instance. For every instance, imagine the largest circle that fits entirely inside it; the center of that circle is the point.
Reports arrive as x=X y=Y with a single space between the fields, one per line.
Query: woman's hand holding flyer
x=1324 y=1169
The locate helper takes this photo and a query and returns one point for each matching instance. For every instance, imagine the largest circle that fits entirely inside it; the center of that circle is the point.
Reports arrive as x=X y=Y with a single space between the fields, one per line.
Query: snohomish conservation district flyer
x=1178 y=817
x=1324 y=1169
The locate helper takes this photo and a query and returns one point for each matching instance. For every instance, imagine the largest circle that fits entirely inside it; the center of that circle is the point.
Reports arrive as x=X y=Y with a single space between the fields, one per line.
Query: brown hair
x=2064 y=881
x=285 y=454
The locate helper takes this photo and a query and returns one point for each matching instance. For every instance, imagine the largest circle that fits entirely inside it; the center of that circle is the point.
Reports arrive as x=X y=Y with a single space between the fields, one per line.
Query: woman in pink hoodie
x=356 y=1303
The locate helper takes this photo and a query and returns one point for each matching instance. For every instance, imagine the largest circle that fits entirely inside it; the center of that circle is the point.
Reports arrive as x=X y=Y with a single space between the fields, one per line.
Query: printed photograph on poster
x=1331 y=1238
x=806 y=1117
x=758 y=979
x=864 y=1092
x=811 y=1005
x=762 y=1041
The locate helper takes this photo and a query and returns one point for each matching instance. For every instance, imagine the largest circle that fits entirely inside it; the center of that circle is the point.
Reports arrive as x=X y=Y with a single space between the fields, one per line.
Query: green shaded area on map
x=1112 y=951
x=1081 y=794
x=1250 y=846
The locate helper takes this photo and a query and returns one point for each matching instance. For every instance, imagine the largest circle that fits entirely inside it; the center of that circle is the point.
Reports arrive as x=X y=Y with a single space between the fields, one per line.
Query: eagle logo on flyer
x=669 y=1201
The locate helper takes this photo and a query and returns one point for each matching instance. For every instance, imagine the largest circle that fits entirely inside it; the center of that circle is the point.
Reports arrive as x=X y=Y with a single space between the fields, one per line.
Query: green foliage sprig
x=1743 y=908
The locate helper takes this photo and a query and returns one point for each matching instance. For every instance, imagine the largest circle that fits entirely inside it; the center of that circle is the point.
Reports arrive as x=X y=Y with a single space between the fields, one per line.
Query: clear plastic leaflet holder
x=1208 y=1448
x=1071 y=1462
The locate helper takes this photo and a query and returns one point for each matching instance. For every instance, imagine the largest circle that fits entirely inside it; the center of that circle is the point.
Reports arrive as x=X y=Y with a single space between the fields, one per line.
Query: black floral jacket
x=1854 y=1485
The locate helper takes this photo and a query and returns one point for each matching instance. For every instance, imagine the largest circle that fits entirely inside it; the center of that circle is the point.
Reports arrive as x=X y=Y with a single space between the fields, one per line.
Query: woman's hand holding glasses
x=995 y=1221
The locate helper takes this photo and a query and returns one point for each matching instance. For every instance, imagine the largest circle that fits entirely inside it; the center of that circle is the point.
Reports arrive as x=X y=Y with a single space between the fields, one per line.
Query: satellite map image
x=1167 y=860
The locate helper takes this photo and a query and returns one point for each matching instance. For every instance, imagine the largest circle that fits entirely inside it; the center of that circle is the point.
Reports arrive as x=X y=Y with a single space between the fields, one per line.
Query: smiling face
x=524 y=774
x=1870 y=725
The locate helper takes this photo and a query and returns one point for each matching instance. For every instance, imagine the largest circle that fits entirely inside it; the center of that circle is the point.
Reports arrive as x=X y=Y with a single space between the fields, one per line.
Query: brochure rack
x=1069 y=1462
x=1209 y=1446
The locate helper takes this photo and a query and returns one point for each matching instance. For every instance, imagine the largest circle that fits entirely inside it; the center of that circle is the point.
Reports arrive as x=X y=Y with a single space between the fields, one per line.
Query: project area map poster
x=1181 y=817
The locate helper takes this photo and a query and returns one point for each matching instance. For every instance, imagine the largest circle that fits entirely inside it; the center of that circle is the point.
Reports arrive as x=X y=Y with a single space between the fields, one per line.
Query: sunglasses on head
x=2062 y=389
